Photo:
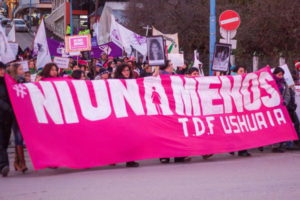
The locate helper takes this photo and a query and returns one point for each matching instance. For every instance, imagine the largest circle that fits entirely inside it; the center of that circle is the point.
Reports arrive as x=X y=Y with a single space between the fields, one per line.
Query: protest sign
x=171 y=41
x=78 y=43
x=156 y=51
x=221 y=57
x=153 y=117
x=287 y=75
x=177 y=59
x=14 y=47
x=33 y=77
x=62 y=63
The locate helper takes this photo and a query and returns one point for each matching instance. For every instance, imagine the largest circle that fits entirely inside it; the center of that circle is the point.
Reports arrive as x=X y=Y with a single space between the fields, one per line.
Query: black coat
x=6 y=112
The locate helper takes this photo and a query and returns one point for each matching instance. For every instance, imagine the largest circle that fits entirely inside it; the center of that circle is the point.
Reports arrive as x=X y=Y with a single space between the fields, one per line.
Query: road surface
x=260 y=177
x=24 y=39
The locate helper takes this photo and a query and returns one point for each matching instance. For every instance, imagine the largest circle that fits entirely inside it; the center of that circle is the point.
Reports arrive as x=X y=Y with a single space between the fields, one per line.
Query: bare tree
x=267 y=27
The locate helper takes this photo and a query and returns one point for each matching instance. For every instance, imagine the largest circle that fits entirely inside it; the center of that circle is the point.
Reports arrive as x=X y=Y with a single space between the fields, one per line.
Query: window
x=19 y=22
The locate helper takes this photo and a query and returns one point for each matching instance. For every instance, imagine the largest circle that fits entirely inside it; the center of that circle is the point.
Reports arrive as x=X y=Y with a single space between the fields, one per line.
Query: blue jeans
x=17 y=133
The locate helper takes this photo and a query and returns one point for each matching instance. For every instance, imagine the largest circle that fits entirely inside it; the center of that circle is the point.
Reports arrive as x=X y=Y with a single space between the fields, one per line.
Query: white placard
x=76 y=53
x=62 y=63
x=14 y=47
x=287 y=75
x=24 y=65
x=33 y=77
x=177 y=59
x=297 y=99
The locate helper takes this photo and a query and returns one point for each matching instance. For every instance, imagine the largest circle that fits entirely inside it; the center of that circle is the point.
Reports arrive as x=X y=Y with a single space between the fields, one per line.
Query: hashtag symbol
x=20 y=90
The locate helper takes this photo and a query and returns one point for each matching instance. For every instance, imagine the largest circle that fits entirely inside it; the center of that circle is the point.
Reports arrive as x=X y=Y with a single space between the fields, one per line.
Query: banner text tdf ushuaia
x=81 y=124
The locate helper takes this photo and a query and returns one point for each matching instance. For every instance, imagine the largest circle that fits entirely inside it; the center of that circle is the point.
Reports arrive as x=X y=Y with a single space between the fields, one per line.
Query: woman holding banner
x=17 y=73
x=240 y=70
x=168 y=70
x=6 y=117
x=285 y=93
x=49 y=71
x=124 y=72
x=192 y=72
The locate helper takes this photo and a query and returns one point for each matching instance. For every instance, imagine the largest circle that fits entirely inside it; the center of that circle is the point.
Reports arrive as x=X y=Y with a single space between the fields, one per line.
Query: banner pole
x=212 y=33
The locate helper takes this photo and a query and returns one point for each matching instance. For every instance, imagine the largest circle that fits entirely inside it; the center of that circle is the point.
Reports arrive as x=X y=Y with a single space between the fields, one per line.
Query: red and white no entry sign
x=229 y=20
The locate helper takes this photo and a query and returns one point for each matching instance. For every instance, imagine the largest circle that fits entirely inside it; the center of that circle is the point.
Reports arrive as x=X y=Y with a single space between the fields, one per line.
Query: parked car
x=2 y=10
x=5 y=22
x=20 y=25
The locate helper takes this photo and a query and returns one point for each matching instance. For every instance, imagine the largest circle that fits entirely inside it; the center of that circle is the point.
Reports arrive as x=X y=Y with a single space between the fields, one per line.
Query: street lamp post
x=29 y=15
x=71 y=17
x=212 y=33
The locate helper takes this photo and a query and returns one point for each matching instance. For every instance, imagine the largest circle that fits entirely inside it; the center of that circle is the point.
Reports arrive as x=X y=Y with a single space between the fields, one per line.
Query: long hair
x=77 y=74
x=160 y=56
x=119 y=70
x=191 y=70
x=277 y=70
x=46 y=71
x=34 y=66
x=236 y=69
x=163 y=67
x=13 y=70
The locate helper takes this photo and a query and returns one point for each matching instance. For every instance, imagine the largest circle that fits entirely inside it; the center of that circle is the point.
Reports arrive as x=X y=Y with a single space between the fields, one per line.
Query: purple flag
x=57 y=48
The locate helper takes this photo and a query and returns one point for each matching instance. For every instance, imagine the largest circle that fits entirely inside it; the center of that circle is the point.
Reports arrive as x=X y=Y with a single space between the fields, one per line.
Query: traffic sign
x=229 y=34
x=229 y=20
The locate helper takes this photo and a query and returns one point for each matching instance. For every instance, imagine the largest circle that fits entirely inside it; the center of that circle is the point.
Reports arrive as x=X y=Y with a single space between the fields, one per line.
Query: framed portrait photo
x=156 y=51
x=221 y=58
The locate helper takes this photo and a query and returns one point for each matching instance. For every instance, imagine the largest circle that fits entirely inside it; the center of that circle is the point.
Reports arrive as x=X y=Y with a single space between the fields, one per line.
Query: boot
x=132 y=164
x=17 y=161
x=5 y=170
x=22 y=158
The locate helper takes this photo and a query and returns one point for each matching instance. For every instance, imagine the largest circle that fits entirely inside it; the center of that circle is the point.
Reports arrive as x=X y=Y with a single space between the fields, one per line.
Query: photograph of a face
x=221 y=57
x=156 y=51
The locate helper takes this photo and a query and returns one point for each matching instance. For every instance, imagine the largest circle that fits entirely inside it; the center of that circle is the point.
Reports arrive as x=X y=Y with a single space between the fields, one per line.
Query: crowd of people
x=107 y=68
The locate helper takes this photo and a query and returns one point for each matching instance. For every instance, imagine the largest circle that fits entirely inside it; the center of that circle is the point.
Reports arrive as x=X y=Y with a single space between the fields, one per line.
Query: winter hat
x=103 y=71
x=297 y=64
x=82 y=62
x=99 y=65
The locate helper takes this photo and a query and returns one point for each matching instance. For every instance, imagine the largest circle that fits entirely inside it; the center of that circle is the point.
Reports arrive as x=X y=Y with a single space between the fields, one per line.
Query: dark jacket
x=292 y=105
x=6 y=112
x=20 y=79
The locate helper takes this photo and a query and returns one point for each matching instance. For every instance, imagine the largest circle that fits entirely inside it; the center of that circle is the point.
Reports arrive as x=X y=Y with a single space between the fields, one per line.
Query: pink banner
x=82 y=124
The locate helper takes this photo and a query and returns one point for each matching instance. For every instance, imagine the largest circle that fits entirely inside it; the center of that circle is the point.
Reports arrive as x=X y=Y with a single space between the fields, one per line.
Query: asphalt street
x=24 y=39
x=263 y=176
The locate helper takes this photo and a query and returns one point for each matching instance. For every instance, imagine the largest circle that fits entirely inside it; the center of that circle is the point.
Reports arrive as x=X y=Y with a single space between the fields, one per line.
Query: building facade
x=34 y=8
x=83 y=15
